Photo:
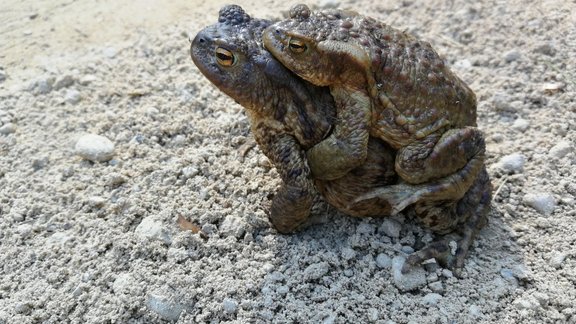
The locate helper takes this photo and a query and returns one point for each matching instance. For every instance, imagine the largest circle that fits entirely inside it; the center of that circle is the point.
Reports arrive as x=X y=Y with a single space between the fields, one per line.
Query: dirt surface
x=100 y=242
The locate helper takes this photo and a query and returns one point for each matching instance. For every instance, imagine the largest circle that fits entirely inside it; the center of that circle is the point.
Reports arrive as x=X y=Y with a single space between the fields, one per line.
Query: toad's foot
x=398 y=196
x=472 y=210
x=290 y=208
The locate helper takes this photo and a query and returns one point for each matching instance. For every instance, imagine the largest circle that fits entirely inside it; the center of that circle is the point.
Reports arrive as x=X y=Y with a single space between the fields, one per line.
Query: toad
x=387 y=84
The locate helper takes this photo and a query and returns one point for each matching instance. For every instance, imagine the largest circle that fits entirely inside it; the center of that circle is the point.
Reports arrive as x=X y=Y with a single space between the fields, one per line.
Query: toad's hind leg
x=466 y=217
x=432 y=173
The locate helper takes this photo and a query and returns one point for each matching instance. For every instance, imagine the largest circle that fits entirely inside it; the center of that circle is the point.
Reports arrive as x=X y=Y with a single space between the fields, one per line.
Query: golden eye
x=225 y=57
x=296 y=45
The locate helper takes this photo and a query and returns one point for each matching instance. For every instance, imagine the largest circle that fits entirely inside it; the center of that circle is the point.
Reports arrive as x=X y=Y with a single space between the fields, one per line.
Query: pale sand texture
x=87 y=242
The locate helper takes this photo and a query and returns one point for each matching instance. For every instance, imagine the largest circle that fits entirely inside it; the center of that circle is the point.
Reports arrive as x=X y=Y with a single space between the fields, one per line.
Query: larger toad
x=390 y=85
x=288 y=116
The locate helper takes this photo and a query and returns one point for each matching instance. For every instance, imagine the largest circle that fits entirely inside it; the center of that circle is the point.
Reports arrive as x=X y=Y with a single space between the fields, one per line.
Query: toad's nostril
x=277 y=31
x=201 y=40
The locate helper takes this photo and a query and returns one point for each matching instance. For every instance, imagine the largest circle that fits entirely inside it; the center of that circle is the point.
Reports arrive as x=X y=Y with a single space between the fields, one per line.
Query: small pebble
x=233 y=226
x=383 y=261
x=527 y=302
x=63 y=82
x=316 y=271
x=348 y=253
x=373 y=314
x=365 y=229
x=189 y=172
x=7 y=129
x=150 y=228
x=502 y=102
x=390 y=228
x=407 y=249
x=464 y=64
x=561 y=149
x=87 y=79
x=412 y=280
x=512 y=163
x=543 y=202
x=43 y=85
x=122 y=283
x=511 y=56
x=508 y=275
x=431 y=299
x=447 y=273
x=24 y=230
x=436 y=287
x=96 y=202
x=557 y=259
x=72 y=96
x=164 y=307
x=326 y=4
x=95 y=148
x=475 y=311
x=110 y=52
x=230 y=305
x=546 y=49
x=520 y=124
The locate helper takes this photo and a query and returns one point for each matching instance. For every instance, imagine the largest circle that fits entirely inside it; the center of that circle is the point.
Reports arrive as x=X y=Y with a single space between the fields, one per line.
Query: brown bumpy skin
x=389 y=85
x=288 y=116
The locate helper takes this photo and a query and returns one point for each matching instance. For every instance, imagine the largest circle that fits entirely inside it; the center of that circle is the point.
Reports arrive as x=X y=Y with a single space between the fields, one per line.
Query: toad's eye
x=296 y=45
x=224 y=57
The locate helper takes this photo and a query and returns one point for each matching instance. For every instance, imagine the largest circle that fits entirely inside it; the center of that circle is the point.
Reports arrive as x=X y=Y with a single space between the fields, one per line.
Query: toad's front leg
x=292 y=203
x=346 y=148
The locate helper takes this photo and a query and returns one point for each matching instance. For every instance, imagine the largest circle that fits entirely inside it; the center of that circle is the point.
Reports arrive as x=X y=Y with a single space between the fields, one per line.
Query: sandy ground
x=86 y=242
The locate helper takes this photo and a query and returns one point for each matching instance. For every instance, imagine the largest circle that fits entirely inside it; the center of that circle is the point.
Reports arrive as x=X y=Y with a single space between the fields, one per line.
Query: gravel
x=96 y=240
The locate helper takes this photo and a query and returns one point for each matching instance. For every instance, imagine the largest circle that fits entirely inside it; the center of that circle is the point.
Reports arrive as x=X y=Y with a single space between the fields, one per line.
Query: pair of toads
x=365 y=115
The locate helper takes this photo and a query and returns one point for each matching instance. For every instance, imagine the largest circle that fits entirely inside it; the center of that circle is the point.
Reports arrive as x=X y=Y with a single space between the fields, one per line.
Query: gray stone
x=230 y=305
x=475 y=311
x=561 y=149
x=110 y=52
x=95 y=148
x=512 y=55
x=8 y=128
x=43 y=85
x=557 y=259
x=390 y=228
x=365 y=229
x=436 y=287
x=502 y=102
x=543 y=202
x=512 y=163
x=151 y=228
x=412 y=280
x=233 y=226
x=383 y=261
x=72 y=96
x=122 y=283
x=348 y=253
x=164 y=307
x=520 y=124
x=63 y=82
x=373 y=314
x=546 y=49
x=431 y=299
x=316 y=271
